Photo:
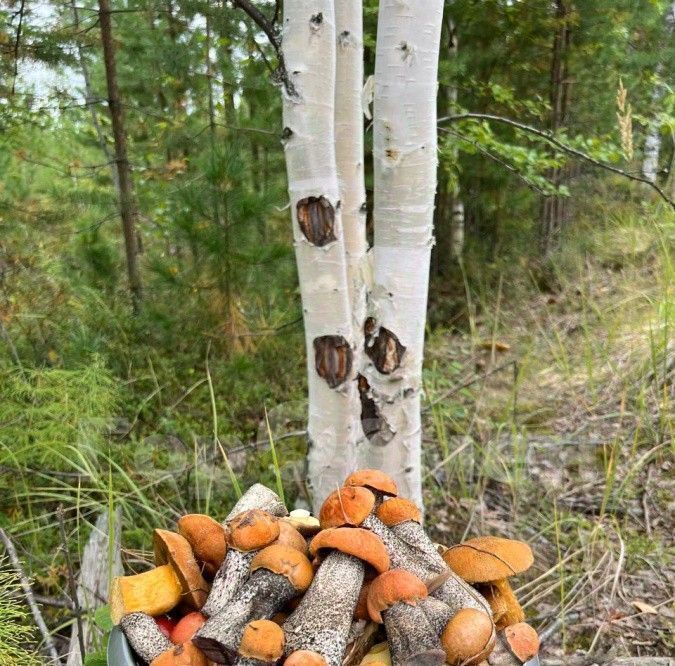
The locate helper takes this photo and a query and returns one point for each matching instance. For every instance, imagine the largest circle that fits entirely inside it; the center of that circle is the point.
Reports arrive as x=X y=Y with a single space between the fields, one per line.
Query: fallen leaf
x=499 y=346
x=644 y=607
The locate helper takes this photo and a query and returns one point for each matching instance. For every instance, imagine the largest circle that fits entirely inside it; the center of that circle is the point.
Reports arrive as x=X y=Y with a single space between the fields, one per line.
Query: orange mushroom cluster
x=361 y=584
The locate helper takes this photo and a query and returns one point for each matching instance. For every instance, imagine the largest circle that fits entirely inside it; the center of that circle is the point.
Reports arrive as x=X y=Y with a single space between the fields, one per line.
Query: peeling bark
x=383 y=348
x=333 y=359
x=309 y=51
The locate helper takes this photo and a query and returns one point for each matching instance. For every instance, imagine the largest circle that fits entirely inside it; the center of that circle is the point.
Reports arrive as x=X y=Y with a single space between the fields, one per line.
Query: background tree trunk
x=553 y=207
x=652 y=149
x=404 y=153
x=309 y=44
x=126 y=197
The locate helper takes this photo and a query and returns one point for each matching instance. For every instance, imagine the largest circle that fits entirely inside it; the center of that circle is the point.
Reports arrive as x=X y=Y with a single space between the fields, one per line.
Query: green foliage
x=15 y=630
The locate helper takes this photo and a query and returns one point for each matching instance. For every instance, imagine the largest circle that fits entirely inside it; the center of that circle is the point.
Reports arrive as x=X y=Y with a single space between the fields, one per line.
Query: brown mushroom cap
x=346 y=506
x=522 y=640
x=305 y=658
x=171 y=548
x=253 y=529
x=374 y=480
x=285 y=561
x=392 y=587
x=489 y=558
x=353 y=541
x=207 y=538
x=468 y=637
x=263 y=640
x=186 y=654
x=398 y=510
x=289 y=536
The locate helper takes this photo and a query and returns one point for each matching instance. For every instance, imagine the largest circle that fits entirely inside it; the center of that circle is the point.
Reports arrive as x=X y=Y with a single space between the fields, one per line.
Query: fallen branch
x=49 y=645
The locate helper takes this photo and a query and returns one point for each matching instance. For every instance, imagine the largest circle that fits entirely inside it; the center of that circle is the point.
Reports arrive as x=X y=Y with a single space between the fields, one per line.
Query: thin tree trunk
x=309 y=50
x=126 y=197
x=552 y=209
x=91 y=100
x=349 y=158
x=652 y=148
x=404 y=151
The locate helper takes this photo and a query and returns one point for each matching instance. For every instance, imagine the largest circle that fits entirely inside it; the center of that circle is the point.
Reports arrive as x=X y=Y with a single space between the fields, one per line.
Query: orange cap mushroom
x=207 y=538
x=468 y=638
x=375 y=480
x=346 y=506
x=262 y=641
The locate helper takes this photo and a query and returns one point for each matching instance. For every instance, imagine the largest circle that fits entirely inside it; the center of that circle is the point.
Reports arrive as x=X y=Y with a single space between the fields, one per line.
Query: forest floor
x=564 y=437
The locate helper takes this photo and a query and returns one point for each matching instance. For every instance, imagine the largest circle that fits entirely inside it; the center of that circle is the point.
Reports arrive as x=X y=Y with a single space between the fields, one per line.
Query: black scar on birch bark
x=332 y=359
x=316 y=217
x=383 y=348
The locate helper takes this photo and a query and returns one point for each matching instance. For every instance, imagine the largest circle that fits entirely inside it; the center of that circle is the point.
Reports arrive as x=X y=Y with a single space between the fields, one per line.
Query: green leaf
x=102 y=618
x=96 y=659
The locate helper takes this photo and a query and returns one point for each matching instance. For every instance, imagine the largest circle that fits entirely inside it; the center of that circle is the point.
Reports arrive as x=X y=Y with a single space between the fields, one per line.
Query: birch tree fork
x=309 y=52
x=404 y=155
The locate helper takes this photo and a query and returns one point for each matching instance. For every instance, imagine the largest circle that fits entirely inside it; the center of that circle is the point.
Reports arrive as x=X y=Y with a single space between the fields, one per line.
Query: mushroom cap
x=468 y=637
x=346 y=506
x=522 y=640
x=353 y=541
x=303 y=521
x=207 y=538
x=285 y=561
x=379 y=655
x=289 y=536
x=374 y=480
x=305 y=658
x=263 y=640
x=186 y=654
x=253 y=529
x=392 y=587
x=488 y=558
x=171 y=548
x=398 y=510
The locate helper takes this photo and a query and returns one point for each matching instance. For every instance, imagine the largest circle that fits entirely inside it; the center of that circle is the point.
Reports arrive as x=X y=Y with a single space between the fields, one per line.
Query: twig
x=71 y=582
x=49 y=645
x=471 y=382
x=17 y=43
x=547 y=136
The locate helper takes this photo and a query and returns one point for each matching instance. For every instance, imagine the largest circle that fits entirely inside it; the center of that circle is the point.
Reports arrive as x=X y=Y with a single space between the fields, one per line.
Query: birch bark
x=309 y=51
x=350 y=166
x=404 y=155
x=652 y=148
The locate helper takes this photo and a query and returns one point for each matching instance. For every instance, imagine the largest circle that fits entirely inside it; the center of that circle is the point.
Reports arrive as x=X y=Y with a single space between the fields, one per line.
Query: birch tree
x=309 y=58
x=652 y=147
x=404 y=156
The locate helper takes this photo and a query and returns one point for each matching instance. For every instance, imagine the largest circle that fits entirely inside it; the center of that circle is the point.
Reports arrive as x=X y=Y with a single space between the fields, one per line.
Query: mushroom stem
x=455 y=592
x=261 y=596
x=144 y=636
x=412 y=638
x=258 y=497
x=322 y=621
x=501 y=590
x=400 y=554
x=232 y=574
x=437 y=613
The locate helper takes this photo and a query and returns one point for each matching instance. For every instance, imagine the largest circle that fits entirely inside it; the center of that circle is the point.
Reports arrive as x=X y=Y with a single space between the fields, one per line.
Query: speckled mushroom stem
x=412 y=639
x=144 y=636
x=437 y=613
x=455 y=592
x=258 y=497
x=401 y=555
x=250 y=661
x=233 y=573
x=261 y=596
x=322 y=621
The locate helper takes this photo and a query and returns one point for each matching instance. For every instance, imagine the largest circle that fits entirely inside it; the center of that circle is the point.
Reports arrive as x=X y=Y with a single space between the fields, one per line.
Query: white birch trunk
x=309 y=45
x=652 y=147
x=349 y=156
x=405 y=159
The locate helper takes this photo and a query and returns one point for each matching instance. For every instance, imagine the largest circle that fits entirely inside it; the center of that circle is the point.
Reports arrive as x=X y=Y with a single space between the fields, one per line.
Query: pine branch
x=548 y=136
x=17 y=44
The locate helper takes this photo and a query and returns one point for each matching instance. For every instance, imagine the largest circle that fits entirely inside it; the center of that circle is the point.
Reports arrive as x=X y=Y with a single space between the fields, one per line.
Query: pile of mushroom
x=362 y=584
